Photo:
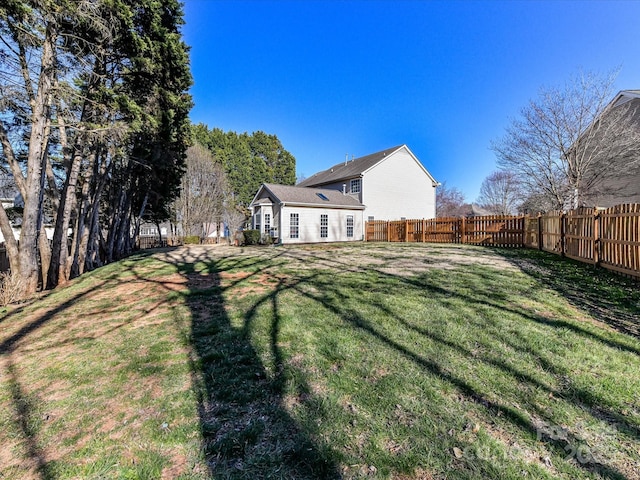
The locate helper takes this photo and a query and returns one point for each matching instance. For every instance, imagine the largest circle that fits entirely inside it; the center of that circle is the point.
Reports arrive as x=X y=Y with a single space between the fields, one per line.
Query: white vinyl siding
x=309 y=229
x=398 y=187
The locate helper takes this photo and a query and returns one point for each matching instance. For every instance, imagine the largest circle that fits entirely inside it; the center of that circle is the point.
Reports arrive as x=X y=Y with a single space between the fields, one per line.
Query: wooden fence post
x=424 y=227
x=463 y=230
x=406 y=231
x=597 y=244
x=539 y=231
x=388 y=231
x=563 y=233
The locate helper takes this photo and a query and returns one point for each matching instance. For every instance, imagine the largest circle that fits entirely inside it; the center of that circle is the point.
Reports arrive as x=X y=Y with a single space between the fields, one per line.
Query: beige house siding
x=398 y=187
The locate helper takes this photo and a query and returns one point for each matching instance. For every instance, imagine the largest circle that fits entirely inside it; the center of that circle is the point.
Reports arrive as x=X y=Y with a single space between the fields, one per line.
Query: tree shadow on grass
x=24 y=405
x=608 y=297
x=331 y=299
x=246 y=430
x=330 y=296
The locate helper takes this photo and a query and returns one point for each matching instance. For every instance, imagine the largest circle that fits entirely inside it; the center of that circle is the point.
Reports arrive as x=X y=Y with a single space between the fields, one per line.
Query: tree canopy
x=93 y=126
x=248 y=160
x=500 y=193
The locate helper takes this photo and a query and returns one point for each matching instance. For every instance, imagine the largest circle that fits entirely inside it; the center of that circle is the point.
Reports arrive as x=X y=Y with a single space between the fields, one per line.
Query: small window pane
x=355 y=186
x=349 y=226
x=294 y=225
x=324 y=226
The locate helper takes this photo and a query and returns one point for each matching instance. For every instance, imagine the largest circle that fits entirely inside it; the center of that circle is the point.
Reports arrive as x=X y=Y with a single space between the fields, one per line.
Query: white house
x=291 y=214
x=392 y=184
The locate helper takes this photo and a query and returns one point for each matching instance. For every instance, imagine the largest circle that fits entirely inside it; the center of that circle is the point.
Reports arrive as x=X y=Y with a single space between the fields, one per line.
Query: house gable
x=398 y=187
x=356 y=168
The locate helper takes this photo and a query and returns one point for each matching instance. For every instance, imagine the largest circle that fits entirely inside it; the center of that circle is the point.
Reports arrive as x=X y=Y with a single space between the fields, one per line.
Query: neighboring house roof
x=305 y=196
x=354 y=168
x=625 y=96
x=475 y=210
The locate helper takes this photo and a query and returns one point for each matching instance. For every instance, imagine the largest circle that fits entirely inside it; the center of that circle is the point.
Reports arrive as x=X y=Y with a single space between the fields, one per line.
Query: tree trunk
x=58 y=272
x=32 y=217
x=10 y=242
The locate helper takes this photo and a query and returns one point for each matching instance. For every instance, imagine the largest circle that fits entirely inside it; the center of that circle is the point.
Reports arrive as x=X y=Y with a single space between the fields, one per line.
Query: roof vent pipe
x=344 y=188
x=346 y=158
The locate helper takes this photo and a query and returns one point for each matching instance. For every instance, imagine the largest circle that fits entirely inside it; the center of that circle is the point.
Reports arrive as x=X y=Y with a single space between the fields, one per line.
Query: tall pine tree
x=95 y=127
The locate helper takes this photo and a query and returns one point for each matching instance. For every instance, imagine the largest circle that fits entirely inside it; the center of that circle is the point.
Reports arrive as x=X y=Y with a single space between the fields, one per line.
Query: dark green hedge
x=251 y=237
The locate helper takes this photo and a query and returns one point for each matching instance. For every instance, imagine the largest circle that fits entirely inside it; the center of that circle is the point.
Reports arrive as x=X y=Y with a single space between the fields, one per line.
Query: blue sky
x=331 y=78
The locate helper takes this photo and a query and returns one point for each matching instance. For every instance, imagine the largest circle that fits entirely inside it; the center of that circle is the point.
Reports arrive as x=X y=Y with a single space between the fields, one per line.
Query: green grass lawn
x=401 y=361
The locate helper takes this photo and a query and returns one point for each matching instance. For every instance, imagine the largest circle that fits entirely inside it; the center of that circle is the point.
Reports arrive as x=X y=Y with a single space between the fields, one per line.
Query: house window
x=294 y=223
x=355 y=185
x=148 y=231
x=324 y=226
x=267 y=223
x=349 y=226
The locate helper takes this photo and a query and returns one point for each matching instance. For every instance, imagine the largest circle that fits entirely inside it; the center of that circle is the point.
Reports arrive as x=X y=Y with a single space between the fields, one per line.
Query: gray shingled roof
x=345 y=170
x=309 y=196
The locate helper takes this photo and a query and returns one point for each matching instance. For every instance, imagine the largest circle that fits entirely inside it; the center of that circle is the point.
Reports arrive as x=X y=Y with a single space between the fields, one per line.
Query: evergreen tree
x=249 y=160
x=98 y=100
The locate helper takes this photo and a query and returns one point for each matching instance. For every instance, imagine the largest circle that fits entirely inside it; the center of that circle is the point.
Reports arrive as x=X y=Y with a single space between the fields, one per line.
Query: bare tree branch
x=500 y=193
x=568 y=142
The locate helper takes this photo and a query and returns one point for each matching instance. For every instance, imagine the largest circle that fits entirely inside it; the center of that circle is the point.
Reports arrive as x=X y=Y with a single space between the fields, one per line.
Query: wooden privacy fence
x=609 y=238
x=491 y=230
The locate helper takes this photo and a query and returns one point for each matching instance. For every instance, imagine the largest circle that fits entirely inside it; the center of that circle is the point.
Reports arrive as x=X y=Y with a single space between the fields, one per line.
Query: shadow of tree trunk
x=246 y=431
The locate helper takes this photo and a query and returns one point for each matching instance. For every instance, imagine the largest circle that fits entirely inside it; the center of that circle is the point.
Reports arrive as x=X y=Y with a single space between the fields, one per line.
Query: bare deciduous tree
x=234 y=218
x=500 y=193
x=449 y=201
x=568 y=142
x=202 y=192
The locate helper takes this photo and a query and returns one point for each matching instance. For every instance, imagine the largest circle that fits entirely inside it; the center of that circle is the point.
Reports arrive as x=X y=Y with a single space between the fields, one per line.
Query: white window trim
x=291 y=225
x=324 y=229
x=350 y=225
